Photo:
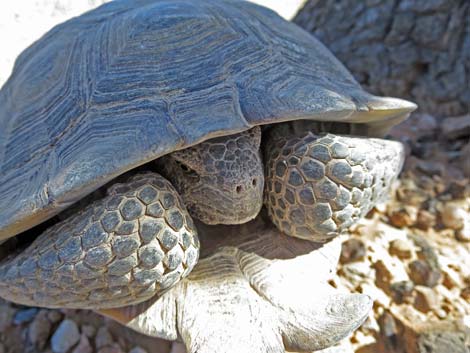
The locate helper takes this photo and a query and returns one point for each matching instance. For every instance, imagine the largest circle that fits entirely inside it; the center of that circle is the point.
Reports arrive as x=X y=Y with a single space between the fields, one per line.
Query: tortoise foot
x=254 y=290
x=122 y=249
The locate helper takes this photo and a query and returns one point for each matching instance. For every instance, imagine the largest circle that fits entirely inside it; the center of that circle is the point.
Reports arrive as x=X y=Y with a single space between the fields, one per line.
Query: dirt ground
x=411 y=254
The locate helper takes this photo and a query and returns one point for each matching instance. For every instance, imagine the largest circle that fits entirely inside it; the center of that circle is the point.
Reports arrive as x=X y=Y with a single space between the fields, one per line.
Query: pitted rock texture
x=123 y=249
x=419 y=50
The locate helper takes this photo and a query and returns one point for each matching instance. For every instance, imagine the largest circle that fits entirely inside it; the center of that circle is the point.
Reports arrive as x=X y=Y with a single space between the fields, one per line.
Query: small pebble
x=24 y=316
x=388 y=326
x=352 y=250
x=441 y=313
x=65 y=337
x=6 y=316
x=103 y=338
x=453 y=216
x=423 y=274
x=463 y=234
x=465 y=294
x=403 y=216
x=401 y=291
x=455 y=126
x=83 y=346
x=425 y=220
x=401 y=248
x=178 y=347
x=426 y=299
x=54 y=316
x=430 y=168
x=460 y=189
x=88 y=330
x=39 y=330
x=111 y=349
x=137 y=350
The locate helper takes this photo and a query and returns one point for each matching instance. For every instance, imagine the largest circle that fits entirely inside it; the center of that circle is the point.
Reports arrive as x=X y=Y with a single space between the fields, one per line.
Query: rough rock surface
x=419 y=50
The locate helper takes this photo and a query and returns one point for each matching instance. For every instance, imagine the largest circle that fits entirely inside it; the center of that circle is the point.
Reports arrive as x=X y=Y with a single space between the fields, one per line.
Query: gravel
x=65 y=337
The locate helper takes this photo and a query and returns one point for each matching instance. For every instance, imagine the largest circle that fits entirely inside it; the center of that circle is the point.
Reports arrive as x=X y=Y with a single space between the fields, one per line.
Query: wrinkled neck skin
x=221 y=180
x=298 y=128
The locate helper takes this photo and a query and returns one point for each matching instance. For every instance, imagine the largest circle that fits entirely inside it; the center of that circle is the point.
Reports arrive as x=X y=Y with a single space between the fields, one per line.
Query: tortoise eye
x=187 y=170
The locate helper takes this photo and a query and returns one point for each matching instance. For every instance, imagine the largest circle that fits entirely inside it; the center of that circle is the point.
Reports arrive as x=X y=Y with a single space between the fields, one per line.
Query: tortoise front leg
x=319 y=185
x=122 y=249
x=256 y=290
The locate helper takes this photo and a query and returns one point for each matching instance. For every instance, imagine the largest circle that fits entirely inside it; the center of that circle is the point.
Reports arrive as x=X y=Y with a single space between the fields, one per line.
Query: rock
x=422 y=273
x=425 y=220
x=352 y=250
x=401 y=291
x=453 y=215
x=39 y=330
x=465 y=294
x=430 y=168
x=387 y=271
x=465 y=161
x=356 y=272
x=426 y=299
x=418 y=126
x=440 y=313
x=137 y=350
x=114 y=348
x=6 y=316
x=455 y=127
x=54 y=316
x=404 y=49
x=401 y=248
x=24 y=316
x=420 y=334
x=371 y=325
x=178 y=347
x=388 y=326
x=103 y=338
x=88 y=330
x=403 y=216
x=451 y=278
x=460 y=189
x=463 y=234
x=83 y=346
x=443 y=341
x=65 y=337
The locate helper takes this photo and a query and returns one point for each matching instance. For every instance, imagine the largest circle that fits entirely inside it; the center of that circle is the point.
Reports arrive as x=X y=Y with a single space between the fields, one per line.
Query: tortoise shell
x=133 y=80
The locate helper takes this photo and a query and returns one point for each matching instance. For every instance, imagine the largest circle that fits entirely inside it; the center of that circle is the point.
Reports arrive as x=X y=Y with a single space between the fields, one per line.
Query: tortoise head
x=221 y=180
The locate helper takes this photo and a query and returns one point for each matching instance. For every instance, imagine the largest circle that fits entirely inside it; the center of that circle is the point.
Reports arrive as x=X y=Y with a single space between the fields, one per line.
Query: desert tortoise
x=136 y=81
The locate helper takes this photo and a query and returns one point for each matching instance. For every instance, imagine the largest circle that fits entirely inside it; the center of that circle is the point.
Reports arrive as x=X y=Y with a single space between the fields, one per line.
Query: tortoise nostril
x=238 y=189
x=254 y=182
